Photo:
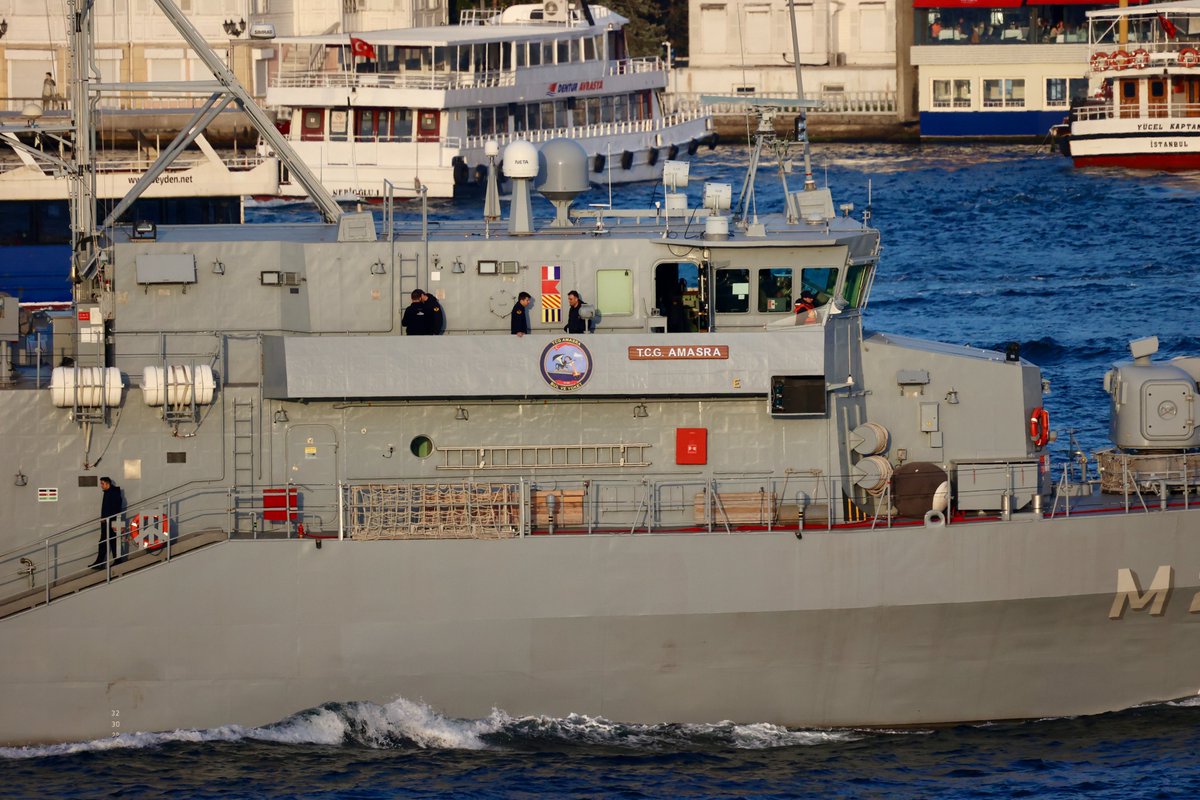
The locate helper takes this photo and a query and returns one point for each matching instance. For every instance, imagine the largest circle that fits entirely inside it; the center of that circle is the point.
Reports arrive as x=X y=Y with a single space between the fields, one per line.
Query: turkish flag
x=1168 y=26
x=360 y=48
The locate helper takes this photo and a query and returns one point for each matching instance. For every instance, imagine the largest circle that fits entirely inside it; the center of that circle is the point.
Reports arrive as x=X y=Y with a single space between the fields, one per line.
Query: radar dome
x=564 y=170
x=521 y=160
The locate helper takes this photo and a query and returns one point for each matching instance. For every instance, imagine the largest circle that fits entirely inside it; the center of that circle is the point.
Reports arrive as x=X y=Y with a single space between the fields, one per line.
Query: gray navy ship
x=712 y=497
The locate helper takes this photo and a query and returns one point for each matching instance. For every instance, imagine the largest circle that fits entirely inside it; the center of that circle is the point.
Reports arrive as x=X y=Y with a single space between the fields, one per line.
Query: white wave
x=403 y=722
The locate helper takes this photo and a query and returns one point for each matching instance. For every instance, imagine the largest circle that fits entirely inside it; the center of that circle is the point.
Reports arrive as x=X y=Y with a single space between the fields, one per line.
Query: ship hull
x=908 y=626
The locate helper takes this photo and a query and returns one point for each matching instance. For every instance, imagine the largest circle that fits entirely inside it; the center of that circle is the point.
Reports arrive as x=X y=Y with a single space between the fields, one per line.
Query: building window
x=1056 y=92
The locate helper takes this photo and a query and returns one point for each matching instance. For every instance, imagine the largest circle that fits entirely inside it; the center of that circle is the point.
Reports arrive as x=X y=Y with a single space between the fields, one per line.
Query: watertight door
x=312 y=467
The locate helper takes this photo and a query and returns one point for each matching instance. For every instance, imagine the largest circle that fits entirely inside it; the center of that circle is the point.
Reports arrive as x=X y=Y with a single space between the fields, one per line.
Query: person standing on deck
x=519 y=325
x=110 y=507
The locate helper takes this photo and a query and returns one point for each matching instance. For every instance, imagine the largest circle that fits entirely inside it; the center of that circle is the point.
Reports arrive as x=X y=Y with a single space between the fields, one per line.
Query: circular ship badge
x=566 y=364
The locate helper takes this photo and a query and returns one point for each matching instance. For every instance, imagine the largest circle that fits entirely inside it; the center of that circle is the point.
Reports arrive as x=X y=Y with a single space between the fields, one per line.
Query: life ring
x=1099 y=62
x=1141 y=59
x=1120 y=60
x=1039 y=426
x=1189 y=57
x=150 y=532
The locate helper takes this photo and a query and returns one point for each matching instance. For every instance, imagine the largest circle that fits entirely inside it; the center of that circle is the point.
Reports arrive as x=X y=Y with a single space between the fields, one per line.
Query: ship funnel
x=521 y=166
x=563 y=176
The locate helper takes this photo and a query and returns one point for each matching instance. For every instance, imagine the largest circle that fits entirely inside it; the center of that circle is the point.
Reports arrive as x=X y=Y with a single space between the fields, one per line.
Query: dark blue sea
x=982 y=246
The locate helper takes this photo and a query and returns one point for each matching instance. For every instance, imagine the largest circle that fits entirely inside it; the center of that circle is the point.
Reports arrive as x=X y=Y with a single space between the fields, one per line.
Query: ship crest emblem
x=566 y=364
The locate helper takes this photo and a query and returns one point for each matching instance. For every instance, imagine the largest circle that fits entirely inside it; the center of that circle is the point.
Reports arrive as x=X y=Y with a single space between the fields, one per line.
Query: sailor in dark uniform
x=520 y=325
x=416 y=319
x=435 y=318
x=110 y=507
x=575 y=323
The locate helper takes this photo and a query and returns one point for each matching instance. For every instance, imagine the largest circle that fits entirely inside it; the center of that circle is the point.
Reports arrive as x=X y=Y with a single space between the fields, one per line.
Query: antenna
x=802 y=118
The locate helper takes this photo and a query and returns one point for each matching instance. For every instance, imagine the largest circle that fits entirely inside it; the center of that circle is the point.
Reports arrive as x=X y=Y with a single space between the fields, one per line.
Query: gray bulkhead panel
x=336 y=367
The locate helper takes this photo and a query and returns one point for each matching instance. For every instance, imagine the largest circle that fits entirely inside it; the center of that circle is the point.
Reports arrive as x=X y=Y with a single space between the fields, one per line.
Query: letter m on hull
x=1128 y=592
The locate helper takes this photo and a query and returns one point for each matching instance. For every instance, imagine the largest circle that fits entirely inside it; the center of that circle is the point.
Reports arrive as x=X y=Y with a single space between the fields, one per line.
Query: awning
x=968 y=3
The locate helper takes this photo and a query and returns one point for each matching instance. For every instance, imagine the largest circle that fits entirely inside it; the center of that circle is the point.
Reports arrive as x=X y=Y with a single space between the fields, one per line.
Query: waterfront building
x=848 y=51
x=1001 y=68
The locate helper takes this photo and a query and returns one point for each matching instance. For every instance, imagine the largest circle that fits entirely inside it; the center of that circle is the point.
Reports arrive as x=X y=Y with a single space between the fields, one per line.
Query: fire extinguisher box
x=691 y=445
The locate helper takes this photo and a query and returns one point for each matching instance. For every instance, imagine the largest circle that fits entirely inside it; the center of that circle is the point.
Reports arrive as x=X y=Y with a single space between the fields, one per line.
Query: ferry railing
x=1156 y=111
x=413 y=79
x=596 y=130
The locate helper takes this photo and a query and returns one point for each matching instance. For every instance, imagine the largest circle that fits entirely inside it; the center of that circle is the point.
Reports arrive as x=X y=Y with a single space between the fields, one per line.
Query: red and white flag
x=360 y=48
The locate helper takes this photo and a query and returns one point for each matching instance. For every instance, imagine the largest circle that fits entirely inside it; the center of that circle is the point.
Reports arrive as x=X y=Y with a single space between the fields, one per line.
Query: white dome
x=521 y=160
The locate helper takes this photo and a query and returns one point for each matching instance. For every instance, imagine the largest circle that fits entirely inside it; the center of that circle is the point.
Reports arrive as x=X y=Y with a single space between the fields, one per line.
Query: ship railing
x=406 y=79
x=1154 y=111
x=875 y=102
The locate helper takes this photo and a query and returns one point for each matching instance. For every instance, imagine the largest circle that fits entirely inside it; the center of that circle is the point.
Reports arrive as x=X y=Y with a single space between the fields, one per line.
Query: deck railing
x=883 y=102
x=1153 y=111
x=441 y=80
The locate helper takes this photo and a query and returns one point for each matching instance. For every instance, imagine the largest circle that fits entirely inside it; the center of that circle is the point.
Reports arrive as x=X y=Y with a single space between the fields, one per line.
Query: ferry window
x=614 y=291
x=506 y=57
x=493 y=57
x=962 y=93
x=1078 y=88
x=547 y=52
x=574 y=50
x=820 y=281
x=589 y=49
x=312 y=125
x=478 y=57
x=472 y=122
x=441 y=59
x=464 y=59
x=578 y=113
x=401 y=123
x=606 y=109
x=733 y=291
x=519 y=53
x=548 y=114
x=562 y=114
x=856 y=284
x=621 y=108
x=535 y=54
x=1005 y=92
x=339 y=123
x=593 y=110
x=564 y=51
x=775 y=290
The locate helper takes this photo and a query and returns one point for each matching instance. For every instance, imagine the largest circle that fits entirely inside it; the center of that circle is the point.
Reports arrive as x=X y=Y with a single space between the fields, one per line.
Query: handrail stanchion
x=341 y=512
x=49 y=582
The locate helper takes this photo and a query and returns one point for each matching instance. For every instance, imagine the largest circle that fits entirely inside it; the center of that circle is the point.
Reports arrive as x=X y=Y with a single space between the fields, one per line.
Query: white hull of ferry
x=1137 y=143
x=616 y=153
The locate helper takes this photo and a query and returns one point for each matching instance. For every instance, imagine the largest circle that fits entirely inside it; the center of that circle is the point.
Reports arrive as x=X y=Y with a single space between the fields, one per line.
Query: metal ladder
x=243 y=453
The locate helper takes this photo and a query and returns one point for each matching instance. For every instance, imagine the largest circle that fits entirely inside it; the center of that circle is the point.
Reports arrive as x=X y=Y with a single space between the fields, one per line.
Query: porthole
x=421 y=446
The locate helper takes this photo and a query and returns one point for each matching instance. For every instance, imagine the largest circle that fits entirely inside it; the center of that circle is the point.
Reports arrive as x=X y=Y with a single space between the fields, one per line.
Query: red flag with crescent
x=361 y=48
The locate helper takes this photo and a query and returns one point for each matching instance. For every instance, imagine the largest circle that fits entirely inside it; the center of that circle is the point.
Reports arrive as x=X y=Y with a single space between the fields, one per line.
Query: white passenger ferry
x=415 y=106
x=1146 y=113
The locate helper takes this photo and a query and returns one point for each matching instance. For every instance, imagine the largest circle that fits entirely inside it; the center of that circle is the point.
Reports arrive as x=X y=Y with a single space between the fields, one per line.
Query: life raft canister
x=1039 y=426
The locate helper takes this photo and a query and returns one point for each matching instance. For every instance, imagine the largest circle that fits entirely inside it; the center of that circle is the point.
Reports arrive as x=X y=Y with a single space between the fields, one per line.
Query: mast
x=82 y=177
x=802 y=118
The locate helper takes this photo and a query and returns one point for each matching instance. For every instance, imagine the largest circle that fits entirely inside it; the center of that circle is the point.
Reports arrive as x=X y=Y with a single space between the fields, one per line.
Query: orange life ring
x=1141 y=59
x=152 y=530
x=1120 y=60
x=1039 y=426
x=1099 y=62
x=1189 y=57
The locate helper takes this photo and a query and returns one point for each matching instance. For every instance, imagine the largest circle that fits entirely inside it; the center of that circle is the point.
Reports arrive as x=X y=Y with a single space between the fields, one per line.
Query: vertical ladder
x=409 y=276
x=243 y=457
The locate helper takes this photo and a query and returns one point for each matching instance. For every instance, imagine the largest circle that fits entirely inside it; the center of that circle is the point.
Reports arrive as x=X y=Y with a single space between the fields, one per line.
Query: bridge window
x=821 y=281
x=733 y=291
x=775 y=290
x=856 y=284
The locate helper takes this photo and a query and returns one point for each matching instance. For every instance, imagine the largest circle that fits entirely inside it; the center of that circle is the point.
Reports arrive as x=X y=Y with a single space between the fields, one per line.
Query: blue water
x=982 y=246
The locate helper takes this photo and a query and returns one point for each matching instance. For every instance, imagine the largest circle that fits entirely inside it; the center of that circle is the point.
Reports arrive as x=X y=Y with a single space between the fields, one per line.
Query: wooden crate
x=738 y=508
x=568 y=509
